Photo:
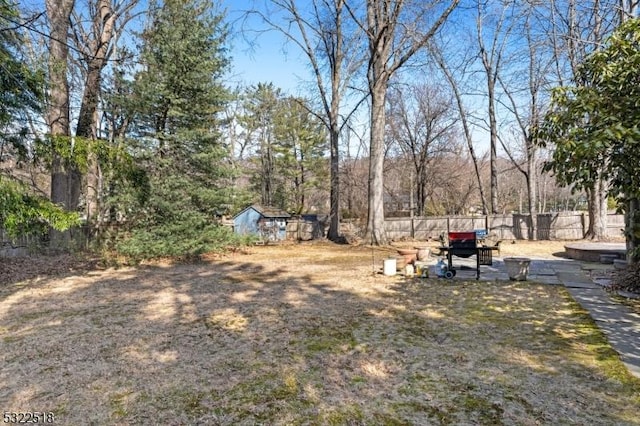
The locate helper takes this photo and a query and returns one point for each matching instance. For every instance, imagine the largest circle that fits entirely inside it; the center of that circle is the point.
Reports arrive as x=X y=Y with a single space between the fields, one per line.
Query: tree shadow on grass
x=246 y=341
x=560 y=254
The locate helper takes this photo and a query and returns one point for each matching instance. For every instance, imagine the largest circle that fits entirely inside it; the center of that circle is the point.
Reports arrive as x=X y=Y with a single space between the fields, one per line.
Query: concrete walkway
x=618 y=322
x=584 y=282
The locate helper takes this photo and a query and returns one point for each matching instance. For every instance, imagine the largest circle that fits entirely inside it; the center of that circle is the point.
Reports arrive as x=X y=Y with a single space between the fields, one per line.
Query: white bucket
x=389 y=267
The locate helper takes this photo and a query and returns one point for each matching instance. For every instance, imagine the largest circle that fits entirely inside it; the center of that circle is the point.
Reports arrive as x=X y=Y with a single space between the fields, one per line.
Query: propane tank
x=441 y=268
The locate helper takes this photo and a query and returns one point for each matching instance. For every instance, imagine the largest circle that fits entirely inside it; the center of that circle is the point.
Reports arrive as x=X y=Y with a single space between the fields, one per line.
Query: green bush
x=186 y=239
x=22 y=213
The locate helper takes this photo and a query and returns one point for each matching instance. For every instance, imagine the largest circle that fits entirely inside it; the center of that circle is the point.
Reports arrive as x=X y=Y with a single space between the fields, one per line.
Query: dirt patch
x=303 y=334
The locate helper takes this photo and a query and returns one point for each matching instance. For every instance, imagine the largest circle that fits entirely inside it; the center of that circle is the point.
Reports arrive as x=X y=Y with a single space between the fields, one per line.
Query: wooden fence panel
x=501 y=227
x=428 y=228
x=460 y=223
x=399 y=228
x=304 y=230
x=550 y=226
x=615 y=225
x=568 y=225
x=13 y=247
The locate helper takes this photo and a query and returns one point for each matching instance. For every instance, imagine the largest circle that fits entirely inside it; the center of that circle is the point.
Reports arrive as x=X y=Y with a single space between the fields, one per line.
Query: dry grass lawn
x=303 y=334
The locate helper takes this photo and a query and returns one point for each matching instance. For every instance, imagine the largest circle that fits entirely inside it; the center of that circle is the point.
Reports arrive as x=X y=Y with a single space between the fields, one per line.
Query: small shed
x=269 y=223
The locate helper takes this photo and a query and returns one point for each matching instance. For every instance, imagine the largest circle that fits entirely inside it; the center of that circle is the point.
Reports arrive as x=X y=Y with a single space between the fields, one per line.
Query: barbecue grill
x=465 y=244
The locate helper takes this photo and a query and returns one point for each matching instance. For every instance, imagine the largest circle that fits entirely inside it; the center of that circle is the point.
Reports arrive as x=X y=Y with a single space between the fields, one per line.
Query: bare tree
x=454 y=82
x=94 y=38
x=321 y=33
x=529 y=76
x=394 y=30
x=423 y=126
x=628 y=9
x=492 y=55
x=452 y=189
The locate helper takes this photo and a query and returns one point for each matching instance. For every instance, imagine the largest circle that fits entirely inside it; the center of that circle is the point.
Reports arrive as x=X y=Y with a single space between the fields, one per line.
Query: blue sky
x=265 y=59
x=257 y=56
x=262 y=56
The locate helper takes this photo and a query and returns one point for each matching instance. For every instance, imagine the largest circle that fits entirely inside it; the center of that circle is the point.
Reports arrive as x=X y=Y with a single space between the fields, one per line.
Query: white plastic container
x=389 y=267
x=409 y=271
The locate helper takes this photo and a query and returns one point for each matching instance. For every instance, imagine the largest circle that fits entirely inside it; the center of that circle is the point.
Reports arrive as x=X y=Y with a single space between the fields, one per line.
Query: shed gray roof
x=268 y=212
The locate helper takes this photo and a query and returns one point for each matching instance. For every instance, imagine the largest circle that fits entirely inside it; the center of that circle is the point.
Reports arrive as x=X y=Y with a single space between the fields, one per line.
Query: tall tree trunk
x=531 y=195
x=597 y=208
x=378 y=79
x=266 y=160
x=86 y=133
x=573 y=46
x=375 y=220
x=491 y=57
x=337 y=54
x=334 y=204
x=86 y=128
x=97 y=51
x=383 y=27
x=58 y=13
x=320 y=35
x=422 y=190
x=493 y=140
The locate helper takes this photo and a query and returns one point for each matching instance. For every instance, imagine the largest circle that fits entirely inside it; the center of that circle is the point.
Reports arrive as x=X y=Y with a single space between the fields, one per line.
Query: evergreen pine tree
x=179 y=94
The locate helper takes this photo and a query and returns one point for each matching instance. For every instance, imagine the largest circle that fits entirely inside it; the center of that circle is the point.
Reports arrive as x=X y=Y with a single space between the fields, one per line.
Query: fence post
x=413 y=227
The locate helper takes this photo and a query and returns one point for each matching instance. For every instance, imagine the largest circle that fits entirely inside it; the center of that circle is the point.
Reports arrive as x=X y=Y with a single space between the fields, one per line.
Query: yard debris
x=18 y=269
x=628 y=279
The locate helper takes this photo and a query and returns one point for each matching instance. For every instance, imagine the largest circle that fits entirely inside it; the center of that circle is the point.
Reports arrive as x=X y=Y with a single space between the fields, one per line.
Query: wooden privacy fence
x=20 y=246
x=301 y=229
x=26 y=244
x=551 y=226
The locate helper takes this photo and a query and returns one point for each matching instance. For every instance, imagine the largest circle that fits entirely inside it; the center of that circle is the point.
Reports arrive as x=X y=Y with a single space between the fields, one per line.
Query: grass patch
x=118 y=403
x=210 y=343
x=347 y=414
